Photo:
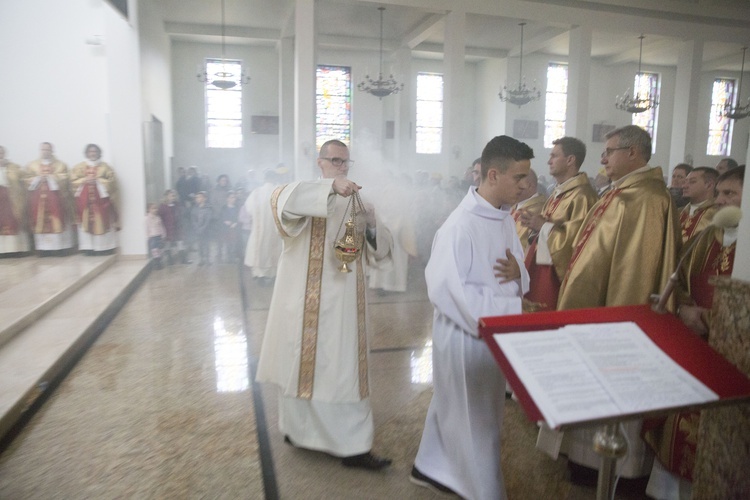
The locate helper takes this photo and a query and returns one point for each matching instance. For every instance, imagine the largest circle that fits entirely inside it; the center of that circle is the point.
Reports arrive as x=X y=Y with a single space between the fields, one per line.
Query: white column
x=286 y=101
x=579 y=79
x=454 y=92
x=685 y=114
x=304 y=86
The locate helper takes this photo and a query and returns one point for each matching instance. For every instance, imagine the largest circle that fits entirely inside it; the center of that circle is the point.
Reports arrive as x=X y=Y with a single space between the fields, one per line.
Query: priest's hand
x=344 y=187
x=507 y=269
x=692 y=316
x=532 y=221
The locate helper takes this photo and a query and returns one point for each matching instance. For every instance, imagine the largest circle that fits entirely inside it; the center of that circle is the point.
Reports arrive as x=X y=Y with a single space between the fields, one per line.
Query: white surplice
x=315 y=344
x=264 y=245
x=460 y=446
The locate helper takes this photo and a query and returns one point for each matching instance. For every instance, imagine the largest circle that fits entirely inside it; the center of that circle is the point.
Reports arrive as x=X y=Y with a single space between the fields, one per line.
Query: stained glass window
x=223 y=106
x=556 y=103
x=333 y=104
x=429 y=113
x=720 y=127
x=647 y=84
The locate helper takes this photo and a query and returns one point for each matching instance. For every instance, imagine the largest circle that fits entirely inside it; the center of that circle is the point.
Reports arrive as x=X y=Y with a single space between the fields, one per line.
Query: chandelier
x=223 y=78
x=522 y=94
x=738 y=112
x=381 y=87
x=639 y=102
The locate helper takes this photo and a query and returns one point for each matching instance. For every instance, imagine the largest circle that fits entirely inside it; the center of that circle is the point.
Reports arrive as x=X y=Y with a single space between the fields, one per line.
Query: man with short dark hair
x=315 y=344
x=677 y=182
x=699 y=191
x=473 y=271
x=556 y=226
x=625 y=251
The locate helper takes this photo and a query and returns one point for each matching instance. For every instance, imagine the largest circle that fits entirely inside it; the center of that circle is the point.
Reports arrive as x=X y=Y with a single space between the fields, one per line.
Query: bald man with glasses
x=315 y=344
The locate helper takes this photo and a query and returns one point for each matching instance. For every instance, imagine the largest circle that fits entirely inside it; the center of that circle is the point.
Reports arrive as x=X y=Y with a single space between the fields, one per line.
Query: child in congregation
x=155 y=232
x=229 y=237
x=200 y=221
x=170 y=212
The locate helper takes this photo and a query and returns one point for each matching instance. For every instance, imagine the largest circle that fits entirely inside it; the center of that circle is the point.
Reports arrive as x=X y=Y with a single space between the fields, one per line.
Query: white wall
x=260 y=97
x=71 y=93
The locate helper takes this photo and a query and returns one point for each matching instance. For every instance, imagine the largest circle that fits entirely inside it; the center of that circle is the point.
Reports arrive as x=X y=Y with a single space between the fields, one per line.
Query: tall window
x=333 y=101
x=556 y=103
x=720 y=127
x=647 y=84
x=429 y=113
x=224 y=107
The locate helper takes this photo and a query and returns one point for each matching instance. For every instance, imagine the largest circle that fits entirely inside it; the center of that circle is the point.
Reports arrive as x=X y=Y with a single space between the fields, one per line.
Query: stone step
x=40 y=354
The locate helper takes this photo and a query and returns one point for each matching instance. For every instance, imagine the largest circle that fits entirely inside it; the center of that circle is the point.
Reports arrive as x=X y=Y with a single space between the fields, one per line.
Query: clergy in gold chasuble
x=627 y=246
x=535 y=204
x=549 y=254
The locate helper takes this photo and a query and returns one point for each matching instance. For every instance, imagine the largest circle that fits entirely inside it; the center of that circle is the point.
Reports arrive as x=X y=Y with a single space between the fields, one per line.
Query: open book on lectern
x=575 y=367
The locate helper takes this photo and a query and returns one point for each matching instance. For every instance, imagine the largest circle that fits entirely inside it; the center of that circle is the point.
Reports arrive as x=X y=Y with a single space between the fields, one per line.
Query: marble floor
x=163 y=406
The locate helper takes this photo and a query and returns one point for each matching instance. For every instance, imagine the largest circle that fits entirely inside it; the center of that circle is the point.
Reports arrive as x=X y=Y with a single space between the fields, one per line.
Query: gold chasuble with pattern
x=315 y=343
x=533 y=205
x=627 y=246
x=701 y=218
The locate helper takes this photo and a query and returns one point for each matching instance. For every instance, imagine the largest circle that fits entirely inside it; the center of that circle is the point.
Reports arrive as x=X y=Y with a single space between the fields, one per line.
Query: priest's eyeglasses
x=337 y=162
x=608 y=152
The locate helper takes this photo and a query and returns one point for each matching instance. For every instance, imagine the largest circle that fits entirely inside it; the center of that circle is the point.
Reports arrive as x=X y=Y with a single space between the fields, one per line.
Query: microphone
x=726 y=217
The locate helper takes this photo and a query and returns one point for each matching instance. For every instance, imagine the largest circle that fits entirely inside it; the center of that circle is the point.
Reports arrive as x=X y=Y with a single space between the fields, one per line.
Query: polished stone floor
x=163 y=406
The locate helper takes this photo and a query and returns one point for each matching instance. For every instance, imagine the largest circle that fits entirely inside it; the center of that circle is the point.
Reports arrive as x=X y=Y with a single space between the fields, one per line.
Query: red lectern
x=665 y=330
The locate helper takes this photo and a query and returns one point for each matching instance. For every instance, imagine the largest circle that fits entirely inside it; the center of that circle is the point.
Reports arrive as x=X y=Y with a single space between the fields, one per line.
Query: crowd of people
x=510 y=245
x=500 y=241
x=48 y=208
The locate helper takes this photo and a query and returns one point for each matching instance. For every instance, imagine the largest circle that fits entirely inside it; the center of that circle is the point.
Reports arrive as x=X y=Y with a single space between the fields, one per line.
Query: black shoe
x=366 y=461
x=420 y=479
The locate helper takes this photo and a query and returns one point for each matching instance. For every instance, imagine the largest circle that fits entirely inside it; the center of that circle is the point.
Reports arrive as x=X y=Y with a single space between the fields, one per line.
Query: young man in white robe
x=473 y=271
x=315 y=345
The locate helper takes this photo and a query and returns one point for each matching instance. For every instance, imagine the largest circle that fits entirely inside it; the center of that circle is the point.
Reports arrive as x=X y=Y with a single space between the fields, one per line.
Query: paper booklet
x=583 y=372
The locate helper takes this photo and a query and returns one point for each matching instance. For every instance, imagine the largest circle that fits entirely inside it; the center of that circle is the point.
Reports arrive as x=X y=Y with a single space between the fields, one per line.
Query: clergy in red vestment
x=13 y=235
x=674 y=438
x=50 y=204
x=555 y=228
x=95 y=188
x=699 y=191
x=625 y=251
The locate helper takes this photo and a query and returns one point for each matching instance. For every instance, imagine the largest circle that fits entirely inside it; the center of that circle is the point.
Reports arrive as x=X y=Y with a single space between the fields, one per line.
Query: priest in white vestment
x=475 y=269
x=264 y=245
x=315 y=344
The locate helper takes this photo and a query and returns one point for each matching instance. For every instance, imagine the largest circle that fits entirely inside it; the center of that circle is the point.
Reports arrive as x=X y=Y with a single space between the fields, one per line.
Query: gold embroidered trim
x=309 y=342
x=274 y=209
x=364 y=387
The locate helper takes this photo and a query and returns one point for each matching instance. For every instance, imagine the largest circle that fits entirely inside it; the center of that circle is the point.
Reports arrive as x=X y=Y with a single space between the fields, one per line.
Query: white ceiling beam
x=427 y=27
x=655 y=47
x=229 y=31
x=538 y=41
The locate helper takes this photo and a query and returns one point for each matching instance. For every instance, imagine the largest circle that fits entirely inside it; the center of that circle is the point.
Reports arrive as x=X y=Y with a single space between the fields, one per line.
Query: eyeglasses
x=608 y=152
x=337 y=162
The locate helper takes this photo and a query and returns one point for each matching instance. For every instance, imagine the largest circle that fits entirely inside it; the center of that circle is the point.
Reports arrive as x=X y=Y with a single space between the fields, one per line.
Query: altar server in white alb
x=315 y=344
x=473 y=271
x=264 y=245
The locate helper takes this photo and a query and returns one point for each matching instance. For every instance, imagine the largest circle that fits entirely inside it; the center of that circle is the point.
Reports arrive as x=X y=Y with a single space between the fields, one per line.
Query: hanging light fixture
x=223 y=78
x=738 y=112
x=522 y=94
x=639 y=102
x=380 y=88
